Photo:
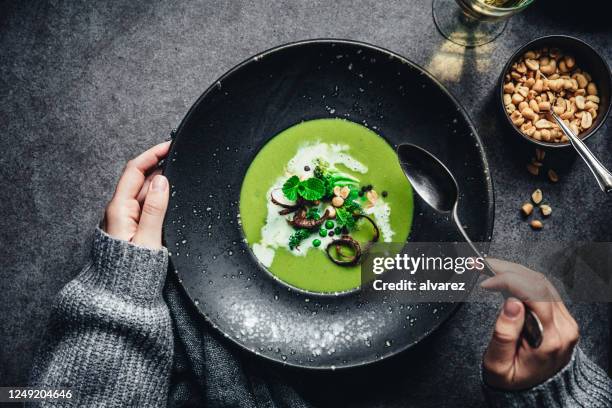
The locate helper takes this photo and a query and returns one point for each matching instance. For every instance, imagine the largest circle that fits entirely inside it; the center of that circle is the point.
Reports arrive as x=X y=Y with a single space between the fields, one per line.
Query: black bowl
x=587 y=59
x=224 y=131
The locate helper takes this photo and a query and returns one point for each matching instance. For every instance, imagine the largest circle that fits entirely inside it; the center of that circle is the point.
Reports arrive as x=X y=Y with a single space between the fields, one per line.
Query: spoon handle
x=602 y=175
x=533 y=330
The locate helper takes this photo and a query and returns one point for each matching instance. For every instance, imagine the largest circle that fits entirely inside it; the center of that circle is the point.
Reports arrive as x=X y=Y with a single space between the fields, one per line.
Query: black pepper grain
x=384 y=194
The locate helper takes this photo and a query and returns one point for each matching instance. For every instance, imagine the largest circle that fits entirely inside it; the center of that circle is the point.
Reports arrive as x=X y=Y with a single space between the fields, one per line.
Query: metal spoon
x=602 y=175
x=435 y=184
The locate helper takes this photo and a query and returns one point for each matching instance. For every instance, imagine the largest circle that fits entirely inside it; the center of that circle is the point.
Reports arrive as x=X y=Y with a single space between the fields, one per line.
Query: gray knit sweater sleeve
x=110 y=335
x=581 y=383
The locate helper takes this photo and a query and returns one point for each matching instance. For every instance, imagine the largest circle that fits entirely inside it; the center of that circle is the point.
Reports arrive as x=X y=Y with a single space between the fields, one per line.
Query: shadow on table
x=563 y=14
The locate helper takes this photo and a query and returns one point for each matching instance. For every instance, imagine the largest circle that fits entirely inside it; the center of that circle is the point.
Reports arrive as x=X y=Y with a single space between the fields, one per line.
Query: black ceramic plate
x=221 y=135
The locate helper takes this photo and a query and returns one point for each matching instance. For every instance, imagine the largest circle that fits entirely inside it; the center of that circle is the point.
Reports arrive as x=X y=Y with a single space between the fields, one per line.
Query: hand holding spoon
x=435 y=184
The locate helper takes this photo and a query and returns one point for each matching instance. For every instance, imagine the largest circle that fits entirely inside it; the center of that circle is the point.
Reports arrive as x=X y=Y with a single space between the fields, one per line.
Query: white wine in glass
x=474 y=22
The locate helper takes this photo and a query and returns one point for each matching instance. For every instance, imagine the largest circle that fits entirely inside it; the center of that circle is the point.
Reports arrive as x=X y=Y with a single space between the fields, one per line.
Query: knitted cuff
x=580 y=383
x=125 y=269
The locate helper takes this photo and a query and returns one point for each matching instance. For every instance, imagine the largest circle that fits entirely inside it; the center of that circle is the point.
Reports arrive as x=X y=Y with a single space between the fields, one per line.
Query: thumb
x=149 y=233
x=499 y=357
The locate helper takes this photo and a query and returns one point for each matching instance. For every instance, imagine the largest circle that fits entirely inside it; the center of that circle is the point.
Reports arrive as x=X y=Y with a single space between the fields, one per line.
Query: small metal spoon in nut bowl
x=602 y=175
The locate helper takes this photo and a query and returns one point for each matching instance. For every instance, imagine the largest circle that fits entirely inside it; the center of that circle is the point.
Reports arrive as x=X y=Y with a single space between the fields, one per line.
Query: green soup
x=361 y=153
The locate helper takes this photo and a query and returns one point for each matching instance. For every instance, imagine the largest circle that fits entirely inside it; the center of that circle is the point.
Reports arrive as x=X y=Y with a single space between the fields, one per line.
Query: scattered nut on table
x=533 y=169
x=567 y=90
x=537 y=196
x=552 y=176
x=536 y=224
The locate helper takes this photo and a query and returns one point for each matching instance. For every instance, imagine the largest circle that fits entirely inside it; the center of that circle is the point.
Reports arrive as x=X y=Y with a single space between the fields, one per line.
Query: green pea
x=338 y=230
x=329 y=224
x=316 y=243
x=323 y=232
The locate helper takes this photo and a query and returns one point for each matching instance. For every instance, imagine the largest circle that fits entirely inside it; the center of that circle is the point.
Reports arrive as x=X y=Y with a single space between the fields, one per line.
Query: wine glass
x=474 y=22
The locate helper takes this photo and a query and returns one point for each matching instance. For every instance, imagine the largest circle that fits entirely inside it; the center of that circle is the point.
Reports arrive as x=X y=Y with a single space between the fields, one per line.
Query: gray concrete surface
x=84 y=86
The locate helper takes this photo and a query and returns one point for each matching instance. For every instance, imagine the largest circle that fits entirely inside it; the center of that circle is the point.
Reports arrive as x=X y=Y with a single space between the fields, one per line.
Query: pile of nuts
x=545 y=80
x=527 y=209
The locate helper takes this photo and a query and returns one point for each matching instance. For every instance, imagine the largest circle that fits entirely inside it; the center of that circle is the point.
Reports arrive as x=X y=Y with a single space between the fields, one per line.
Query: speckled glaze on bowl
x=587 y=59
x=220 y=136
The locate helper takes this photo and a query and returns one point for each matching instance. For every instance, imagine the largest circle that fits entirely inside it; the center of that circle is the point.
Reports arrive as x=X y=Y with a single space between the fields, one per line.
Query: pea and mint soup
x=317 y=196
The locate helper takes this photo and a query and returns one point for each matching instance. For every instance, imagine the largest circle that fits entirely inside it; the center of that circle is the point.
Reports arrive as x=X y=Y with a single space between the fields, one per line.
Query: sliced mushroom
x=348 y=241
x=288 y=207
x=286 y=211
x=376 y=230
x=279 y=202
x=344 y=241
x=300 y=221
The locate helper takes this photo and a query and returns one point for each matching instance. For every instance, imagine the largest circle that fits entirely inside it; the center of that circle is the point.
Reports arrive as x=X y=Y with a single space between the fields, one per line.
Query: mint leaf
x=290 y=188
x=311 y=189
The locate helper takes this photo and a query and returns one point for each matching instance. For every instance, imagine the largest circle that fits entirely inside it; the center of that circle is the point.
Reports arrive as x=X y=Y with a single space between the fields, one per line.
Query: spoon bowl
x=429 y=177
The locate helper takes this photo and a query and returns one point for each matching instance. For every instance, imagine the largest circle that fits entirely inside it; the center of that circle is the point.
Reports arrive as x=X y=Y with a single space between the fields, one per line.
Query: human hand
x=136 y=211
x=509 y=362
